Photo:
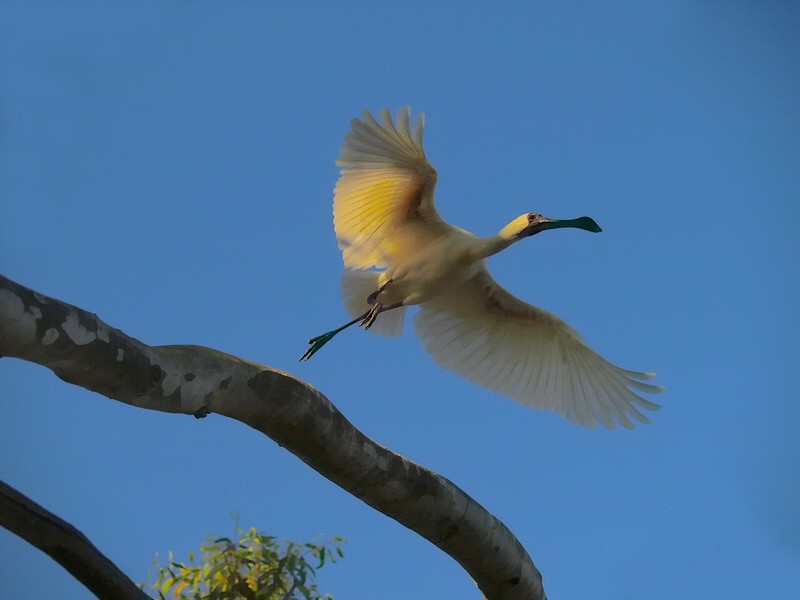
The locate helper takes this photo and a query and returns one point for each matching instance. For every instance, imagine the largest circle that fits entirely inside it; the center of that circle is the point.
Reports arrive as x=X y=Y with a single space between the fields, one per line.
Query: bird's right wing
x=485 y=334
x=383 y=201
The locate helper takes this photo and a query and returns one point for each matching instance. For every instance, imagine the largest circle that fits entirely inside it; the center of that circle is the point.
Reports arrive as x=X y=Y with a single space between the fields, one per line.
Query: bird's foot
x=369 y=320
x=317 y=343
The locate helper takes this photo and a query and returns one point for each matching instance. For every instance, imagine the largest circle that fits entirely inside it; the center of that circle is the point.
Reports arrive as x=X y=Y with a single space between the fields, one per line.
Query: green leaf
x=226 y=569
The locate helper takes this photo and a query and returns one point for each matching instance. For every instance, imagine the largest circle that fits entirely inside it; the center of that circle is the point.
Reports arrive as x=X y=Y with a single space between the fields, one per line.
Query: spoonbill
x=399 y=252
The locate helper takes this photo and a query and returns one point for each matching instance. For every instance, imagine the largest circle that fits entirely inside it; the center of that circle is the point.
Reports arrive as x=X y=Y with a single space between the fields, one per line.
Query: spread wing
x=487 y=335
x=384 y=197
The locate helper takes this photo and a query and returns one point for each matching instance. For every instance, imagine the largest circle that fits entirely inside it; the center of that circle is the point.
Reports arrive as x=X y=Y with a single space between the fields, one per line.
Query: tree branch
x=81 y=349
x=66 y=545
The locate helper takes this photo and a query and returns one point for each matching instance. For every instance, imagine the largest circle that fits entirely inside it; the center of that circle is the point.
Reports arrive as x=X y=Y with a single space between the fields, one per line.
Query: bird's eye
x=532 y=217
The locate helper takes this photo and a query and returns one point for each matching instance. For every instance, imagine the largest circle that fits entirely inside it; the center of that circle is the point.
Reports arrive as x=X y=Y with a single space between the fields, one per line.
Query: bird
x=399 y=252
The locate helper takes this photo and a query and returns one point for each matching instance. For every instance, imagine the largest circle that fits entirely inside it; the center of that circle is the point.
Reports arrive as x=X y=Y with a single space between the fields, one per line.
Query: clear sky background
x=169 y=166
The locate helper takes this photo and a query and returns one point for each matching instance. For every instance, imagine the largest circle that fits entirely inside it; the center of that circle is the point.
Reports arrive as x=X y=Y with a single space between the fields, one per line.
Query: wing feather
x=484 y=333
x=384 y=195
x=610 y=410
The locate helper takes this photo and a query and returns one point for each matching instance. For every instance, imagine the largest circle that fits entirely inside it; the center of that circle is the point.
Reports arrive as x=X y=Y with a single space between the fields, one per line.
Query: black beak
x=585 y=223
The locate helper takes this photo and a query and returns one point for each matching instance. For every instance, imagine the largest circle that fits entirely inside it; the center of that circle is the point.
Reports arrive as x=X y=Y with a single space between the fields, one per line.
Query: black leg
x=377 y=308
x=374 y=295
x=366 y=320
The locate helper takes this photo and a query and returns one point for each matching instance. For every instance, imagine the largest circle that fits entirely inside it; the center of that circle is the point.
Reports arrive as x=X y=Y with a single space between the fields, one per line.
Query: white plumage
x=398 y=251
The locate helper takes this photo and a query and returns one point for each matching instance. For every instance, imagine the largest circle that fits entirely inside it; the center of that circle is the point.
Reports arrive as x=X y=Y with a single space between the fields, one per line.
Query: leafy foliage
x=256 y=566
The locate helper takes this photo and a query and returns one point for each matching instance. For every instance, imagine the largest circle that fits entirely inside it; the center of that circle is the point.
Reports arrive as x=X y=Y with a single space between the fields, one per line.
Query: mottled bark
x=81 y=349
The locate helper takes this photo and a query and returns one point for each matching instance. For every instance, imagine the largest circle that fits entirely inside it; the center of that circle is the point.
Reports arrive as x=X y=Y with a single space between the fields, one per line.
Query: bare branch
x=81 y=349
x=66 y=545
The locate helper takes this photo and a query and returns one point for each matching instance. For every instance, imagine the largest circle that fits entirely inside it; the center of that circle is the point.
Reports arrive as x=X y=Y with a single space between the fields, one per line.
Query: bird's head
x=532 y=223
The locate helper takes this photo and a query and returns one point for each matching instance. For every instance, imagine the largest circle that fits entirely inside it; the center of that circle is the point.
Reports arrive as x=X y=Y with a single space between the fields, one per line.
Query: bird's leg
x=319 y=341
x=366 y=320
x=373 y=297
x=377 y=308
x=371 y=315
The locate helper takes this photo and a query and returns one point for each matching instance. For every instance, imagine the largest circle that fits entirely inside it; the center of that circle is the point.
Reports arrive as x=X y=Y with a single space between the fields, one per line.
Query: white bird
x=398 y=252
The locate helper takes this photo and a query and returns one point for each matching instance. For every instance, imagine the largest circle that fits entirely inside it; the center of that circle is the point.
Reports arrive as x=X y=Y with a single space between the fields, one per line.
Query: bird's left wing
x=485 y=334
x=383 y=201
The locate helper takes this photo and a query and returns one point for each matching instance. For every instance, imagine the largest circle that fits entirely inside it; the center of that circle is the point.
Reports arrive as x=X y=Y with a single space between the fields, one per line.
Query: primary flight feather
x=398 y=252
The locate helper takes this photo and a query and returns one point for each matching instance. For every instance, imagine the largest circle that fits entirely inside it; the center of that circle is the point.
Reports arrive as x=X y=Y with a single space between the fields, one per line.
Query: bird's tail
x=356 y=286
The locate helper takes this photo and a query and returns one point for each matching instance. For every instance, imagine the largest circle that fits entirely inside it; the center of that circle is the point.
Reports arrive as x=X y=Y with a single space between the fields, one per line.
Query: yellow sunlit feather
x=386 y=187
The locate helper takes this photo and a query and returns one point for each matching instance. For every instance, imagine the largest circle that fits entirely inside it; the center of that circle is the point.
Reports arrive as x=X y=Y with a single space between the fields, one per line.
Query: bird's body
x=442 y=263
x=399 y=252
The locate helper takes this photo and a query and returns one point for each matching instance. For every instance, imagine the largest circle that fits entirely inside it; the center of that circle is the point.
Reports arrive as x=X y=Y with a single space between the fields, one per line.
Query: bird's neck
x=486 y=247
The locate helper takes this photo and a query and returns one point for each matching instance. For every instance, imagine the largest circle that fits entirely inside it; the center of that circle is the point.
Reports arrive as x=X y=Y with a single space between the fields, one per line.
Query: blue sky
x=170 y=168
